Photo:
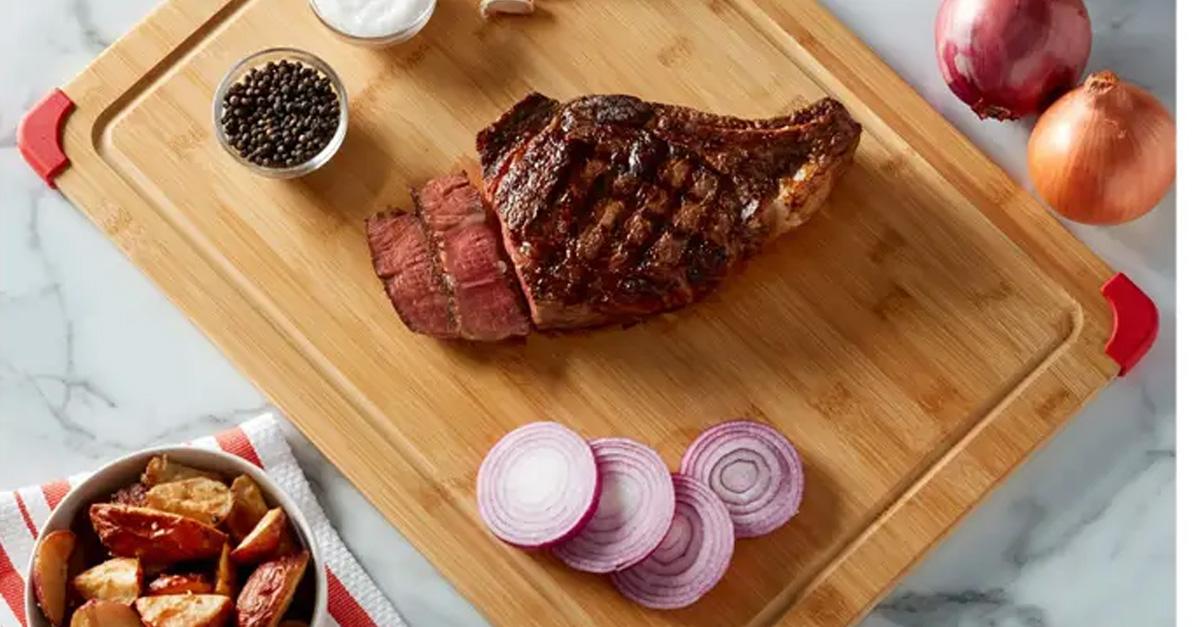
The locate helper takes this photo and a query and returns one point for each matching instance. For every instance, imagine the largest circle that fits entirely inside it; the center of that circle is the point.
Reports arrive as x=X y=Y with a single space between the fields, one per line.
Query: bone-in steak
x=611 y=209
x=614 y=209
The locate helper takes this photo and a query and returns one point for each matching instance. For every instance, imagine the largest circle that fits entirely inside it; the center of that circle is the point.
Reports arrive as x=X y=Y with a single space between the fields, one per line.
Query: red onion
x=538 y=486
x=754 y=470
x=692 y=557
x=1011 y=58
x=637 y=503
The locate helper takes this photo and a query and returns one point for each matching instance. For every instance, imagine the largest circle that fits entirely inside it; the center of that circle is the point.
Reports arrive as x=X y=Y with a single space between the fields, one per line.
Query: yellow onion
x=1104 y=153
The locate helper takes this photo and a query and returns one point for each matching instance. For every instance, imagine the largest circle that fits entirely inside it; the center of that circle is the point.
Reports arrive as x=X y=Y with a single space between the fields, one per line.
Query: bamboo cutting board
x=916 y=341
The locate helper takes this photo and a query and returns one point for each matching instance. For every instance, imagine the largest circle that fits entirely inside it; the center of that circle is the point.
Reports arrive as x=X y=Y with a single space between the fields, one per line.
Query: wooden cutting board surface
x=916 y=340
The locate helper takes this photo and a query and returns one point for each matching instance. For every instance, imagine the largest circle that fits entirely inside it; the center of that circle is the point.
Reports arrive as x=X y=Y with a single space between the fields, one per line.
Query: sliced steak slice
x=480 y=280
x=404 y=260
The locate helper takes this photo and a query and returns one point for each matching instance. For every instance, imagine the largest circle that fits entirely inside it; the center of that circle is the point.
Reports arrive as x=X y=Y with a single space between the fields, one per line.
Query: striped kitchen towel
x=354 y=600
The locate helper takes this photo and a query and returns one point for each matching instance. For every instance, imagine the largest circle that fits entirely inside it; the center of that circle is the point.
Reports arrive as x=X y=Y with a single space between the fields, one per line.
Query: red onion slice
x=754 y=470
x=637 y=502
x=538 y=486
x=691 y=559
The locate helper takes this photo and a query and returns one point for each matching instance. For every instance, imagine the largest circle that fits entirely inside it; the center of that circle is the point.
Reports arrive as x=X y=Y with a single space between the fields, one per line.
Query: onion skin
x=1011 y=58
x=1104 y=154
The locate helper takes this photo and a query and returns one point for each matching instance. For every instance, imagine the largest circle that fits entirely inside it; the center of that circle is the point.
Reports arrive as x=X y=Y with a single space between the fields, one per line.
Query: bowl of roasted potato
x=176 y=537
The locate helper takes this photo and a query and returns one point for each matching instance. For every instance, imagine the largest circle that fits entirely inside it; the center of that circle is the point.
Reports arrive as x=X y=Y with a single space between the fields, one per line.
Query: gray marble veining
x=95 y=362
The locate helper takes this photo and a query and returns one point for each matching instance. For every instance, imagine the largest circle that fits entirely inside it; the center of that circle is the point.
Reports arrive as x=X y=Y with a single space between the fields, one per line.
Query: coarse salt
x=372 y=19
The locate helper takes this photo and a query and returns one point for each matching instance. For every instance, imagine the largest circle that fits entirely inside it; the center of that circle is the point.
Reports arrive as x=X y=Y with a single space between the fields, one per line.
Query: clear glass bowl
x=259 y=59
x=404 y=34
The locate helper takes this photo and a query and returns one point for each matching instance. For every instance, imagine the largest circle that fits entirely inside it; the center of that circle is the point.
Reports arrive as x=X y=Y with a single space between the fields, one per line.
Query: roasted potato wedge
x=133 y=494
x=197 y=498
x=154 y=536
x=225 y=581
x=263 y=541
x=99 y=613
x=50 y=574
x=162 y=470
x=269 y=590
x=190 y=583
x=287 y=543
x=118 y=580
x=248 y=507
x=185 y=610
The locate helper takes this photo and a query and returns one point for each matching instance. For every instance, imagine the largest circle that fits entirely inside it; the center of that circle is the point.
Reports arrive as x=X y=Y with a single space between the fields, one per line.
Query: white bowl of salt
x=374 y=22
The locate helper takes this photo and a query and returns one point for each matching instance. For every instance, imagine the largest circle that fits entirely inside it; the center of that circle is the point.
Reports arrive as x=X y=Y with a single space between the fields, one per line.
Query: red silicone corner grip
x=39 y=136
x=1135 y=322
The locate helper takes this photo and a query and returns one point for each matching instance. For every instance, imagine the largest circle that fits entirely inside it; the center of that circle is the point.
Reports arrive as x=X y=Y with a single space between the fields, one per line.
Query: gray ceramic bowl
x=126 y=470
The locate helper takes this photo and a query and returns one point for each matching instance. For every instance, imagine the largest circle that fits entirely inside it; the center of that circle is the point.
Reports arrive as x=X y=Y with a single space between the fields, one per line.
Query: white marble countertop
x=94 y=361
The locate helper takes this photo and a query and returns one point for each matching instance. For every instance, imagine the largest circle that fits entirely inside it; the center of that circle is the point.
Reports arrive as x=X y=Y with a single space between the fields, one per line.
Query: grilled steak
x=614 y=209
x=444 y=267
x=611 y=209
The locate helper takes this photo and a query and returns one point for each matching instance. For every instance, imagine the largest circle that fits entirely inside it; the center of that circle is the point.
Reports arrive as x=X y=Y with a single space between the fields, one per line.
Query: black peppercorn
x=280 y=114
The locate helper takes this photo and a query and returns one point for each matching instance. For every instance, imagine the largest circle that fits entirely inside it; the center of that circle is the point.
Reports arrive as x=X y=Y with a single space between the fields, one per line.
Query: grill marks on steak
x=443 y=267
x=614 y=209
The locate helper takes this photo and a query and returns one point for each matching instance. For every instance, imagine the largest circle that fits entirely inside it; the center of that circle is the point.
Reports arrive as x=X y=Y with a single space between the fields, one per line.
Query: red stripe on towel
x=234 y=441
x=12 y=587
x=343 y=607
x=25 y=514
x=55 y=491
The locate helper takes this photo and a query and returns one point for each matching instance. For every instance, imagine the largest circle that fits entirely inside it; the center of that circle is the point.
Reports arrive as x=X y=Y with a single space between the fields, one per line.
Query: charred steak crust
x=496 y=143
x=614 y=209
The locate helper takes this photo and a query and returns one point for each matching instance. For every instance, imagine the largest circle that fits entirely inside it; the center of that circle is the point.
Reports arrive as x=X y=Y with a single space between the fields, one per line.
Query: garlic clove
x=514 y=7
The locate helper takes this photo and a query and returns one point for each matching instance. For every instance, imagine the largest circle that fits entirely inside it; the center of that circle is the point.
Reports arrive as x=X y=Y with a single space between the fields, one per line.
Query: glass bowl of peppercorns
x=281 y=112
